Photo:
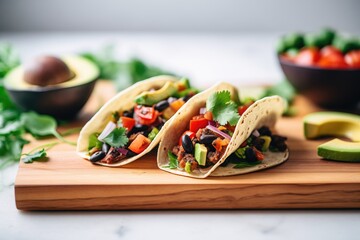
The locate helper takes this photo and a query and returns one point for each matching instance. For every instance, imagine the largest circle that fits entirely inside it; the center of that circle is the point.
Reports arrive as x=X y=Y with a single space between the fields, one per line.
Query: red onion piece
x=107 y=130
x=216 y=130
x=212 y=123
x=123 y=151
x=202 y=111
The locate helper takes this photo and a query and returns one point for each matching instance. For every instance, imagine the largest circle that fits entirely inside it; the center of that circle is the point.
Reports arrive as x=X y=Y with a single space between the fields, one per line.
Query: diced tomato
x=177 y=104
x=352 y=58
x=286 y=57
x=208 y=115
x=146 y=115
x=127 y=122
x=139 y=144
x=307 y=56
x=195 y=125
x=189 y=133
x=330 y=51
x=242 y=109
x=259 y=155
x=332 y=61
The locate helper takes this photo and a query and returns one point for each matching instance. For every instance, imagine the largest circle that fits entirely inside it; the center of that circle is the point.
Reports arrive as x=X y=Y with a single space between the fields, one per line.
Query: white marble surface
x=244 y=59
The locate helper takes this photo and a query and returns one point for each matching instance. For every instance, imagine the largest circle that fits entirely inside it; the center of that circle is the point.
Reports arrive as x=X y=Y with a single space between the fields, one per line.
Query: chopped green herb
x=117 y=138
x=173 y=162
x=36 y=156
x=153 y=133
x=224 y=110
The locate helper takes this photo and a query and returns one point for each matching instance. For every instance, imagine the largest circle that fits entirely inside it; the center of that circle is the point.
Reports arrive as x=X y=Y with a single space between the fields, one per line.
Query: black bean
x=162 y=105
x=105 y=147
x=250 y=155
x=265 y=131
x=97 y=156
x=207 y=139
x=139 y=128
x=129 y=114
x=130 y=153
x=258 y=143
x=187 y=144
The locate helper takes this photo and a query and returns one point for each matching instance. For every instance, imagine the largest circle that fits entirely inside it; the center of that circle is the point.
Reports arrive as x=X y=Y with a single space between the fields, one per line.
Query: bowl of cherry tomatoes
x=324 y=67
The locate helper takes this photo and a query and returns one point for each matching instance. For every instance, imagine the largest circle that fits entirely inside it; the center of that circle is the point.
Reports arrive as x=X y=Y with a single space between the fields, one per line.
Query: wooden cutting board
x=67 y=182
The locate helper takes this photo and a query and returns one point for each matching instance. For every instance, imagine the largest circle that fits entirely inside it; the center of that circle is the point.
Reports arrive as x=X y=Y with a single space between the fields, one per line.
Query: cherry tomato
x=352 y=58
x=307 y=56
x=189 y=133
x=330 y=51
x=332 y=61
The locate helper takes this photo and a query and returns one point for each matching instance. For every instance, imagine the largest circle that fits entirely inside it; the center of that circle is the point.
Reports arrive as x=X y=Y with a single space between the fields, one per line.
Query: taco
x=215 y=135
x=131 y=124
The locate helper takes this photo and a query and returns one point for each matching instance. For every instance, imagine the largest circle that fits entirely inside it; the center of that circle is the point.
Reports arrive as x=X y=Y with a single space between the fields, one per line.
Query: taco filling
x=129 y=132
x=209 y=133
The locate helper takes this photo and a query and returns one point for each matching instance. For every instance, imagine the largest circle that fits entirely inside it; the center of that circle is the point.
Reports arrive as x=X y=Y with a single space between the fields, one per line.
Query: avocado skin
x=339 y=150
x=61 y=103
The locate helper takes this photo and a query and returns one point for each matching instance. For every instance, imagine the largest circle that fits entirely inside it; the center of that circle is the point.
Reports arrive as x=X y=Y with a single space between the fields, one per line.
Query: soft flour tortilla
x=264 y=112
x=124 y=100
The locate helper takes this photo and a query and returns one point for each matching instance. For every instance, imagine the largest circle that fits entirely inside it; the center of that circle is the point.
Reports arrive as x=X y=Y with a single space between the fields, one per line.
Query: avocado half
x=63 y=100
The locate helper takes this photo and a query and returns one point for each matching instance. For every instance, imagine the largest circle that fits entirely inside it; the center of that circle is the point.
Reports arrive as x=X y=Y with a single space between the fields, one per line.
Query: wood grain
x=67 y=182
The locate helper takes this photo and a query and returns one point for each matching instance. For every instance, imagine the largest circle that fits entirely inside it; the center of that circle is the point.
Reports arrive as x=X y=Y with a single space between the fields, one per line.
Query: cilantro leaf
x=173 y=162
x=117 y=138
x=38 y=155
x=224 y=110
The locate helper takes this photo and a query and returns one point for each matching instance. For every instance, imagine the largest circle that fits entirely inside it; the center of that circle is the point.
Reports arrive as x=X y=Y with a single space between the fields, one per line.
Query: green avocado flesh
x=339 y=150
x=84 y=72
x=332 y=124
x=152 y=97
x=200 y=153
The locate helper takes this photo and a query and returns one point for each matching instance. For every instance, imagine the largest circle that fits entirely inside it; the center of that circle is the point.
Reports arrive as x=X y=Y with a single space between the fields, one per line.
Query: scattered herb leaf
x=36 y=156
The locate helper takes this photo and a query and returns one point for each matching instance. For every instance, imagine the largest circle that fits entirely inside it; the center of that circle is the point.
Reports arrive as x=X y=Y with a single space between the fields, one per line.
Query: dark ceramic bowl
x=330 y=88
x=61 y=103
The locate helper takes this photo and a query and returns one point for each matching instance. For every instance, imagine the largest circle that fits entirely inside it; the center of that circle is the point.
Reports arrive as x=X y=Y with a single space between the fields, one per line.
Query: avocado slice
x=151 y=97
x=339 y=124
x=200 y=153
x=340 y=150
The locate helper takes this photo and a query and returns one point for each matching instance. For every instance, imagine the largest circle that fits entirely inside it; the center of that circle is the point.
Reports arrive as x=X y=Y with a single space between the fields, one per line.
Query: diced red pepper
x=127 y=123
x=139 y=144
x=195 y=125
x=189 y=133
x=146 y=115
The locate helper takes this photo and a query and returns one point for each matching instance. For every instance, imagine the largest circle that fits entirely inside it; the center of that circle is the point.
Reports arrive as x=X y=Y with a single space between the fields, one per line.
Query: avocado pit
x=47 y=70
